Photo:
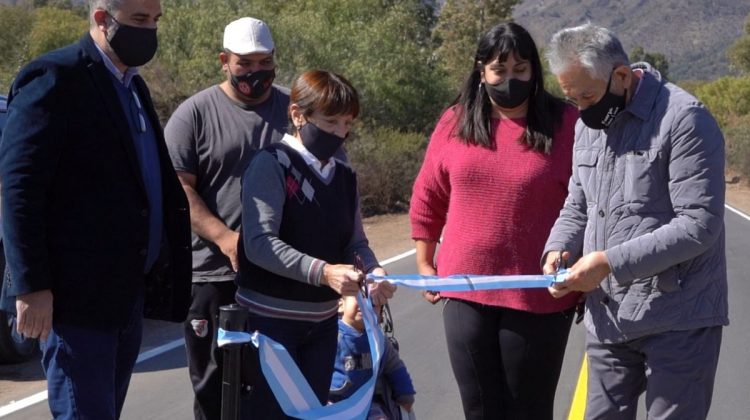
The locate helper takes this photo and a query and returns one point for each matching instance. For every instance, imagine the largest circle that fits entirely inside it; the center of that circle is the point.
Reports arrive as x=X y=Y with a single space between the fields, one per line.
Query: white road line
x=398 y=257
x=20 y=405
x=738 y=212
x=159 y=350
x=14 y=406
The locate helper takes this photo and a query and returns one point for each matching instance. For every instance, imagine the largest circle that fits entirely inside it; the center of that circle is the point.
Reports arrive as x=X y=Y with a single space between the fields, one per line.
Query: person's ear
x=480 y=67
x=100 y=17
x=624 y=75
x=298 y=117
x=224 y=59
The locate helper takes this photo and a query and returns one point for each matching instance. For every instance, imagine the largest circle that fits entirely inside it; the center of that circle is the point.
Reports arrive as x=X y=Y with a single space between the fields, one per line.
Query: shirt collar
x=124 y=78
x=645 y=95
x=310 y=159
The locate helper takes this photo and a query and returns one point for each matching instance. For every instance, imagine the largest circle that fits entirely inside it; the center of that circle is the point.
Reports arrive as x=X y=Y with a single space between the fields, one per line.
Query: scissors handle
x=560 y=263
x=359 y=264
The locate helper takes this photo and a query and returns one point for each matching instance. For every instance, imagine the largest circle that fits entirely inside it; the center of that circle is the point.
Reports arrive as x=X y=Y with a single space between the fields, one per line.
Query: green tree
x=737 y=136
x=190 y=40
x=739 y=52
x=691 y=85
x=79 y=6
x=383 y=47
x=29 y=32
x=460 y=25
x=656 y=59
x=54 y=28
x=15 y=22
x=727 y=97
x=550 y=81
x=387 y=161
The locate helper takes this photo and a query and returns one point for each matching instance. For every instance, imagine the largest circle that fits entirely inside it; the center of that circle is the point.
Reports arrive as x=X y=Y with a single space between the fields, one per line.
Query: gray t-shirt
x=213 y=137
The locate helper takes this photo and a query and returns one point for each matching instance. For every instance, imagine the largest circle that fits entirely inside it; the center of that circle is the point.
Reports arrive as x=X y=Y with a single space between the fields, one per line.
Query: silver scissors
x=580 y=306
x=560 y=264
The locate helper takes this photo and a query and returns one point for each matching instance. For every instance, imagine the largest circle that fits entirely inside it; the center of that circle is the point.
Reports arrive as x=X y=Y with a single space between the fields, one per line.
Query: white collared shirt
x=325 y=171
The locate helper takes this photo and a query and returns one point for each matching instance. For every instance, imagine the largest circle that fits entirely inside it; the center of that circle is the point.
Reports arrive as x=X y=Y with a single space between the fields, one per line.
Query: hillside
x=693 y=34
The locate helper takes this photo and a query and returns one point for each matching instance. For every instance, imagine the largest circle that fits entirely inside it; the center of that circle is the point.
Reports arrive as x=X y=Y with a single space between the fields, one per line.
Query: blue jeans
x=312 y=345
x=88 y=370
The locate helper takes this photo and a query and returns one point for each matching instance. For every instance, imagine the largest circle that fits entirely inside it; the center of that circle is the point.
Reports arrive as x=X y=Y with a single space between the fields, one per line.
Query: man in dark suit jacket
x=96 y=224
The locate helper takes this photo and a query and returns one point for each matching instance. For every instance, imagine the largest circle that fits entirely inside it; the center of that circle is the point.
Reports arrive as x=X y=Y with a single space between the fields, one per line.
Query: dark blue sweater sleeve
x=396 y=374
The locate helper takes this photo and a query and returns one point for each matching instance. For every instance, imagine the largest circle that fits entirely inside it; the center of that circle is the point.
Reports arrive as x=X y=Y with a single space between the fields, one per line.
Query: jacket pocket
x=634 y=299
x=642 y=292
x=668 y=280
x=641 y=176
x=651 y=304
x=585 y=161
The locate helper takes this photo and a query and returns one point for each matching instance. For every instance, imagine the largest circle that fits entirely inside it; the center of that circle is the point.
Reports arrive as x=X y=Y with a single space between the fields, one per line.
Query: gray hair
x=595 y=48
x=110 y=6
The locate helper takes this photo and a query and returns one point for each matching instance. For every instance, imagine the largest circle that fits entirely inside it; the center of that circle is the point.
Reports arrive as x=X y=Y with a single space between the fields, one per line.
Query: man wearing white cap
x=211 y=138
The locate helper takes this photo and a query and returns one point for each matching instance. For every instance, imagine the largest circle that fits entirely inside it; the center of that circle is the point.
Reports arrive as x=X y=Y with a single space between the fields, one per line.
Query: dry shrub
x=737 y=136
x=386 y=161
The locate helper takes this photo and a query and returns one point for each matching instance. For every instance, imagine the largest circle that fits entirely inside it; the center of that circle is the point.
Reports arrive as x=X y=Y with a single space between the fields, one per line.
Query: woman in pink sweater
x=493 y=181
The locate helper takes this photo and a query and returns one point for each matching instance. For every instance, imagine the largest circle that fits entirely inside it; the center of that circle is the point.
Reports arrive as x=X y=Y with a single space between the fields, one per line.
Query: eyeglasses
x=137 y=112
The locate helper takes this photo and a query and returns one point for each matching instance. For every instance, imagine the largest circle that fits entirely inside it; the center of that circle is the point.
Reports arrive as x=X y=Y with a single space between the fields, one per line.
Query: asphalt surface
x=160 y=388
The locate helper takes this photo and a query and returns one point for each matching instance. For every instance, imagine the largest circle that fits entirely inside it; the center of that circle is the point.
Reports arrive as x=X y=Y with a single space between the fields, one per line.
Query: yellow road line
x=578 y=406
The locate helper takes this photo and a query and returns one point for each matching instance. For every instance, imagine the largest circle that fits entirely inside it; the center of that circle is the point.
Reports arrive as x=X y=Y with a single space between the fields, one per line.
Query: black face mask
x=321 y=144
x=601 y=115
x=254 y=84
x=134 y=46
x=509 y=93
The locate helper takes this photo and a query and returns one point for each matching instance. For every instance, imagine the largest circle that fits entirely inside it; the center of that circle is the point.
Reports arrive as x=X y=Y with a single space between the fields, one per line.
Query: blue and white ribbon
x=225 y=337
x=470 y=283
x=292 y=390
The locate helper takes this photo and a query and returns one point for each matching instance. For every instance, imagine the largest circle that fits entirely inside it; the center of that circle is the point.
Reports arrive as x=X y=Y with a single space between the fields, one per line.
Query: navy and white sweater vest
x=318 y=220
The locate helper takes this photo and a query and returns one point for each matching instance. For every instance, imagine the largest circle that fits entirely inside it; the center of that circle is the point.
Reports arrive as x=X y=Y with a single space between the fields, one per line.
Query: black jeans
x=506 y=362
x=203 y=356
x=312 y=346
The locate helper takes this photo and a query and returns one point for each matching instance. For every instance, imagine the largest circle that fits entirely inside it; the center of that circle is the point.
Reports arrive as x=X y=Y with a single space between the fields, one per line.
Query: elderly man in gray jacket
x=643 y=223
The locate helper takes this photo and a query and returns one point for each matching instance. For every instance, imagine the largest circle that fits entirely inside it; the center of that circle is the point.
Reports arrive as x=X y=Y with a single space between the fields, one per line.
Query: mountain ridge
x=694 y=35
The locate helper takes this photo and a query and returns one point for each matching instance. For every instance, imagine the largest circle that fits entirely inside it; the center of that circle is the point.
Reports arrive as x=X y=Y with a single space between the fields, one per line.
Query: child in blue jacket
x=354 y=367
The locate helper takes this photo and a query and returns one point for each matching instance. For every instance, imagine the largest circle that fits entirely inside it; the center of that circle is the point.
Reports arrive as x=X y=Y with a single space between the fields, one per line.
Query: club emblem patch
x=200 y=326
x=245 y=88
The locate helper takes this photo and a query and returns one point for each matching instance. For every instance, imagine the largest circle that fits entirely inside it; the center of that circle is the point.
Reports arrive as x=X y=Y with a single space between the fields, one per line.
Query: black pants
x=312 y=346
x=203 y=356
x=506 y=362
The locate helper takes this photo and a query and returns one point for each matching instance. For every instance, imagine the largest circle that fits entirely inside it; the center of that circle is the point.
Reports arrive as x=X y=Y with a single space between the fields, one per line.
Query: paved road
x=160 y=388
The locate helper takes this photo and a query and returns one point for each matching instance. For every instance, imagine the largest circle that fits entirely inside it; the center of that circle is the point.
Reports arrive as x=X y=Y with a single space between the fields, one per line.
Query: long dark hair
x=473 y=105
